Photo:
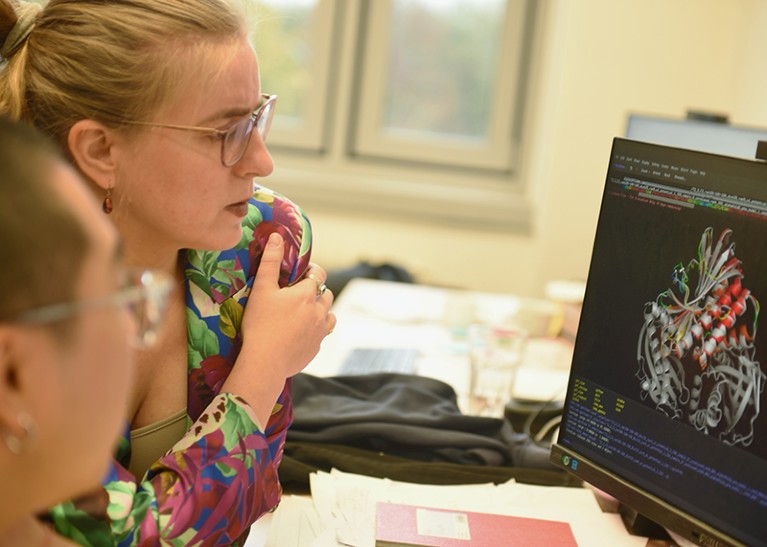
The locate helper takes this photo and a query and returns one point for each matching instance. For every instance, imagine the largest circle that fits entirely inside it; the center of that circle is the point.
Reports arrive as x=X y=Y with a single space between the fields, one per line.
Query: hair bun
x=26 y=13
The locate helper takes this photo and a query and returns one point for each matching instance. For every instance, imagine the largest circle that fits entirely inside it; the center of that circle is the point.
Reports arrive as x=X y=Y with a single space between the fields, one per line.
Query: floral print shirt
x=222 y=475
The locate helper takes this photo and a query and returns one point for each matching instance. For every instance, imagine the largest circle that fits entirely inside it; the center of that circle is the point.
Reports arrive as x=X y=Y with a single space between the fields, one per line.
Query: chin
x=220 y=240
x=84 y=478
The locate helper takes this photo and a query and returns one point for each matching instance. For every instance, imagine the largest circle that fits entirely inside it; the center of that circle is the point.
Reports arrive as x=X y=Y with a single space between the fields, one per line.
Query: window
x=298 y=38
x=411 y=107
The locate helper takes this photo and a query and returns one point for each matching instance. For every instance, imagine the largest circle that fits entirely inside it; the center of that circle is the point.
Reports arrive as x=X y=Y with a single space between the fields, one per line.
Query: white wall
x=599 y=60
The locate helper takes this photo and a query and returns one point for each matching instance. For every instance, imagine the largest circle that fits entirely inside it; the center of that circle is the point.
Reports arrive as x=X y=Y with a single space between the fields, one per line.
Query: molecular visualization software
x=696 y=350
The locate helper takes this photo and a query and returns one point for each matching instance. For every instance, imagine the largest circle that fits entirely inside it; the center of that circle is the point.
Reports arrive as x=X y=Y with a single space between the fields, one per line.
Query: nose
x=256 y=161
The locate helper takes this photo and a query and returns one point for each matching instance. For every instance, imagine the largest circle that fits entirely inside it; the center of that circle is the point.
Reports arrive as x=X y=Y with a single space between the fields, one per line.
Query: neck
x=148 y=252
x=145 y=248
x=142 y=257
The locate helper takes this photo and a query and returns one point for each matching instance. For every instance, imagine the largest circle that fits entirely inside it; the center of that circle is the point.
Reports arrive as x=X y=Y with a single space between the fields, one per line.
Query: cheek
x=100 y=380
x=173 y=185
x=179 y=194
x=110 y=362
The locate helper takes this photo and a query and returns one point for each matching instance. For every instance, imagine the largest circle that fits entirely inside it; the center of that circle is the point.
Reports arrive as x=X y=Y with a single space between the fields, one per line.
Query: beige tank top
x=151 y=442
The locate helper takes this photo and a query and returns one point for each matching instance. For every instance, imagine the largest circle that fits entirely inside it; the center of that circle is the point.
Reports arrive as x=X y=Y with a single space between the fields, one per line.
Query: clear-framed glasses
x=236 y=137
x=144 y=294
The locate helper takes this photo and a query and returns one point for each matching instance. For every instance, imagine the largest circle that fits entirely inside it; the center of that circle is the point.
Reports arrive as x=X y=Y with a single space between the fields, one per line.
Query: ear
x=92 y=147
x=11 y=397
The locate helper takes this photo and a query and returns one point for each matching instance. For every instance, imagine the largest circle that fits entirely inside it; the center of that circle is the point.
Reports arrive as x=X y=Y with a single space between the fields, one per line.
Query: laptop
x=666 y=408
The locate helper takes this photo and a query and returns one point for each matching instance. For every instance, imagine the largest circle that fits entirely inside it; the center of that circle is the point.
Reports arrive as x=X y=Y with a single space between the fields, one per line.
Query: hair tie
x=26 y=13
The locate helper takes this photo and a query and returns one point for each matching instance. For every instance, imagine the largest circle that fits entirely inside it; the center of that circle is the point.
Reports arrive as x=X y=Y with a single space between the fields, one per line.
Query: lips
x=239 y=208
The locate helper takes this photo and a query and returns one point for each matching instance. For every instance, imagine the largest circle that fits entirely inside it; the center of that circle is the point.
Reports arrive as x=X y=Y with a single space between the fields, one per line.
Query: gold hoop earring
x=15 y=444
x=108 y=206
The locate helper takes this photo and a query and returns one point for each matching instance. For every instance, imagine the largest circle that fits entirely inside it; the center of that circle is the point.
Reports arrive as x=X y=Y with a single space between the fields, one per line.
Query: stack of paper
x=342 y=509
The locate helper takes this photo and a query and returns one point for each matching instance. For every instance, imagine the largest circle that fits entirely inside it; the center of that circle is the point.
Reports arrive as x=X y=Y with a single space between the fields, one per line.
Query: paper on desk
x=294 y=523
x=347 y=504
x=343 y=508
x=576 y=506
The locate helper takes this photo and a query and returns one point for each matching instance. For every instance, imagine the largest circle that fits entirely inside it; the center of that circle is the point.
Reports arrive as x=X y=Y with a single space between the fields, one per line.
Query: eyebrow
x=234 y=112
x=229 y=113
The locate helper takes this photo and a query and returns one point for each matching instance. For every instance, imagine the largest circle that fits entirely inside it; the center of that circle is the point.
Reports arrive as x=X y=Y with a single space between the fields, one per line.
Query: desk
x=301 y=521
x=373 y=313
x=607 y=530
x=383 y=314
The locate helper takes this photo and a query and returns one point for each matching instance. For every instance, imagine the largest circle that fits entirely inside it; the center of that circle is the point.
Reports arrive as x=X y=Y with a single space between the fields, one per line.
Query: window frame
x=311 y=134
x=337 y=177
x=495 y=154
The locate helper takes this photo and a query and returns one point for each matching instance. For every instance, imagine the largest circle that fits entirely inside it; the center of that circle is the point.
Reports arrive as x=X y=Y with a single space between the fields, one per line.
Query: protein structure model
x=696 y=352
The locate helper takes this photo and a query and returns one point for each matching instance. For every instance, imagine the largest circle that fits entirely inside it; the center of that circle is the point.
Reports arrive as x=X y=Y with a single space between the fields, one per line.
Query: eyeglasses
x=235 y=138
x=144 y=295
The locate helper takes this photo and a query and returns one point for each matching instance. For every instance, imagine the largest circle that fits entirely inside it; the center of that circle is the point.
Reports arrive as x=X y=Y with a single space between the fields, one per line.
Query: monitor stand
x=639 y=525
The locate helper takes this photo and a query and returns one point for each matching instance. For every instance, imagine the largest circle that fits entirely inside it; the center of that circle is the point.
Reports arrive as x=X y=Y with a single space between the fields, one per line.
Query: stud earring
x=15 y=444
x=107 y=206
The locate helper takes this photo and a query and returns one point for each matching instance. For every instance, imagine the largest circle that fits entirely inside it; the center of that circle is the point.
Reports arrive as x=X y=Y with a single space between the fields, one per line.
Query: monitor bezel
x=641 y=501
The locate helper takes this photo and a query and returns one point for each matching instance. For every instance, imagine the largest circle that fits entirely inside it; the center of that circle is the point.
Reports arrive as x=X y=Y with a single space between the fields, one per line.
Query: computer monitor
x=696 y=134
x=665 y=408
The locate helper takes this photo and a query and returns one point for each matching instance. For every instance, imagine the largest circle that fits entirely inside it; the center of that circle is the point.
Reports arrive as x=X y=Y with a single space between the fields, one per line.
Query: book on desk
x=401 y=525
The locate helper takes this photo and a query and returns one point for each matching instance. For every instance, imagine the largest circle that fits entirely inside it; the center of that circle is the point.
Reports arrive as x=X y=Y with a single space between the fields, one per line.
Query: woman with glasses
x=159 y=105
x=59 y=341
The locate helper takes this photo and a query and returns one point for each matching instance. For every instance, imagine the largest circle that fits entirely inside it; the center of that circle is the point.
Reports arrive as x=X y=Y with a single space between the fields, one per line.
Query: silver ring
x=320 y=285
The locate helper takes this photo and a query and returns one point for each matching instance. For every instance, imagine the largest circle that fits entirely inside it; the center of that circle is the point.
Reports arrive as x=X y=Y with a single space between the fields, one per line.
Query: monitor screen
x=665 y=408
x=705 y=136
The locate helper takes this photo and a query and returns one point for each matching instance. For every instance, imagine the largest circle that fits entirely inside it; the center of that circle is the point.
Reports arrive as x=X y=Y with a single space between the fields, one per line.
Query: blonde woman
x=159 y=105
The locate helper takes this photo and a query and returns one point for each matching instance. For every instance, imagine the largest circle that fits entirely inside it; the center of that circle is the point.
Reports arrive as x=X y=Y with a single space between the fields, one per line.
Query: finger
x=332 y=322
x=318 y=281
x=268 y=273
x=327 y=296
x=317 y=270
x=316 y=273
x=318 y=276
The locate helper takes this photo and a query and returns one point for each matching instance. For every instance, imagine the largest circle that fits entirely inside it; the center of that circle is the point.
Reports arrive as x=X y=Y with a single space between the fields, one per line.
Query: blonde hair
x=111 y=60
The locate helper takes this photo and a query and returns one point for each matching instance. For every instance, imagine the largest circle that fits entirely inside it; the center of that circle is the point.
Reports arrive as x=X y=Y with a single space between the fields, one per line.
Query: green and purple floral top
x=222 y=475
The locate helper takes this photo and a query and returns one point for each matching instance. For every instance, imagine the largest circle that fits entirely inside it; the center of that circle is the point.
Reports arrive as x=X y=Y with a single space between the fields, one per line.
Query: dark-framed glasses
x=144 y=295
x=236 y=137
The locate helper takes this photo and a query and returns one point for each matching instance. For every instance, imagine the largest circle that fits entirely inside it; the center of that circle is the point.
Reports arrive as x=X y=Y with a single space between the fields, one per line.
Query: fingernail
x=274 y=240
